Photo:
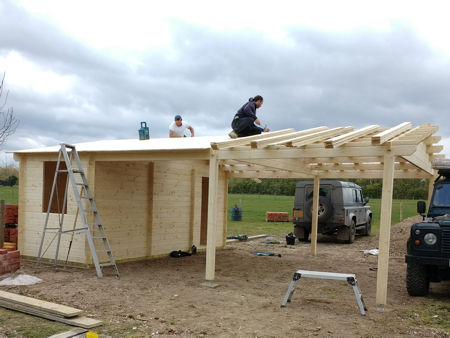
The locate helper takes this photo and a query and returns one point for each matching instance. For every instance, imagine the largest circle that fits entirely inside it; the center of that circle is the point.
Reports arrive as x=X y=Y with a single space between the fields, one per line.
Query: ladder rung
x=98 y=237
x=79 y=229
x=81 y=184
x=103 y=250
x=69 y=146
x=107 y=264
x=90 y=210
x=86 y=197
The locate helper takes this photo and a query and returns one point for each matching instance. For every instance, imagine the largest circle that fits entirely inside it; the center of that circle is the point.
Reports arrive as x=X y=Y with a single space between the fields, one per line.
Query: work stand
x=348 y=277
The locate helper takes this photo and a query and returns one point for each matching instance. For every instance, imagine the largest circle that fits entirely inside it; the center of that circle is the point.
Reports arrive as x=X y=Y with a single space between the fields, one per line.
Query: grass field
x=254 y=209
x=9 y=194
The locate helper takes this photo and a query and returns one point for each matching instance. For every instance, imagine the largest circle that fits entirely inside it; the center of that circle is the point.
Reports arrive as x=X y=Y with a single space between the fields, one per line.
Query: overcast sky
x=89 y=70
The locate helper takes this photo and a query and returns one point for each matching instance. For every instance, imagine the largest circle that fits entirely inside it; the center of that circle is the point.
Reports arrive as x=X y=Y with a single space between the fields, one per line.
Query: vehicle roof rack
x=442 y=165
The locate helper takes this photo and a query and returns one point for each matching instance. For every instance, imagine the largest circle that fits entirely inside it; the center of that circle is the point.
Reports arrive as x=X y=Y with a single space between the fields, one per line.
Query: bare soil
x=164 y=297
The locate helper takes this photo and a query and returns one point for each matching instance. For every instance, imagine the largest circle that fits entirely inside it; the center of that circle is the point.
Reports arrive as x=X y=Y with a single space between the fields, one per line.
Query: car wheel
x=325 y=209
x=417 y=280
x=368 y=227
x=351 y=233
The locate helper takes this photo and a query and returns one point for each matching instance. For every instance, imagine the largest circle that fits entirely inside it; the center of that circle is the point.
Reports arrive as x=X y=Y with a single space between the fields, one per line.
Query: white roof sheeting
x=153 y=144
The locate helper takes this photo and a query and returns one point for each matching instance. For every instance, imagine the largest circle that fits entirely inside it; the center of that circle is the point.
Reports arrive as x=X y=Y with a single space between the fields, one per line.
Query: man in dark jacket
x=245 y=120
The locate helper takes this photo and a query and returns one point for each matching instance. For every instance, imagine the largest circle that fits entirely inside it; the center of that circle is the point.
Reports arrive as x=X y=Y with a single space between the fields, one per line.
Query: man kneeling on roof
x=177 y=127
x=245 y=121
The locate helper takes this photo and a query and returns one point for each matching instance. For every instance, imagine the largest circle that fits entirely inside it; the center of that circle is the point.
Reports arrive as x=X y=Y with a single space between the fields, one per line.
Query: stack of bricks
x=272 y=216
x=9 y=260
x=11 y=220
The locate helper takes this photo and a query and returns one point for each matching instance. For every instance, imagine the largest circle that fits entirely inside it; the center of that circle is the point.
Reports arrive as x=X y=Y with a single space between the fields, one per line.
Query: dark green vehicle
x=428 y=246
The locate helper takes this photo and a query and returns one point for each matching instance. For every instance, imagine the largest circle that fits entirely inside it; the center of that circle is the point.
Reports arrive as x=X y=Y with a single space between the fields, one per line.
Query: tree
x=8 y=123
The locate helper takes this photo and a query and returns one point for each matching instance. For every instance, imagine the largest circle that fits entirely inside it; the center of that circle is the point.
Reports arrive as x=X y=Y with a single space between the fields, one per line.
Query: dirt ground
x=164 y=297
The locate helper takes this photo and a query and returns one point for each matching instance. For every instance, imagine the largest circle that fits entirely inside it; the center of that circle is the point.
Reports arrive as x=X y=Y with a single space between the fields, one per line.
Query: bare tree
x=8 y=123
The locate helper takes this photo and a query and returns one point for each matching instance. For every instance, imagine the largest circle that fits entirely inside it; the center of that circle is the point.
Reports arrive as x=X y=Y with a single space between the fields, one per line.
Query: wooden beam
x=432 y=140
x=435 y=149
x=420 y=158
x=430 y=189
x=293 y=165
x=414 y=135
x=249 y=154
x=23 y=182
x=274 y=139
x=315 y=137
x=315 y=215
x=192 y=209
x=385 y=231
x=212 y=206
x=386 y=135
x=342 y=139
x=246 y=140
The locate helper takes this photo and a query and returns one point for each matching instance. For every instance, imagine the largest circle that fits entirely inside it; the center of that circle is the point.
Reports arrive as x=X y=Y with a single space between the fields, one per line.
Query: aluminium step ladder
x=348 y=277
x=90 y=218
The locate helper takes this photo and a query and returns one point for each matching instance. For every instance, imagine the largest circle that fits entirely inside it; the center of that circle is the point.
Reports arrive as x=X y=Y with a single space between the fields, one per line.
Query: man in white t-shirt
x=177 y=127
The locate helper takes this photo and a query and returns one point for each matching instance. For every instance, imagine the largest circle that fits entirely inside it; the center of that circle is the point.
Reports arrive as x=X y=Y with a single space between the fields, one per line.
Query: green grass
x=254 y=209
x=9 y=194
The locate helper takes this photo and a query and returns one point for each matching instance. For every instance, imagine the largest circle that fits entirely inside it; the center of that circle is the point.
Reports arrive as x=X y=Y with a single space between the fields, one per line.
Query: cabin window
x=58 y=196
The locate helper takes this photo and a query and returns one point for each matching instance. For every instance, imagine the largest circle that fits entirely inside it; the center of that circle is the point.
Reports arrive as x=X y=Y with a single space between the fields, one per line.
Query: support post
x=192 y=210
x=315 y=215
x=385 y=231
x=211 y=228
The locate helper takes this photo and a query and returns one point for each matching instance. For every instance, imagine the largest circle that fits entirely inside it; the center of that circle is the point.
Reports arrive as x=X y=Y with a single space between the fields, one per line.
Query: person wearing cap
x=177 y=127
x=245 y=122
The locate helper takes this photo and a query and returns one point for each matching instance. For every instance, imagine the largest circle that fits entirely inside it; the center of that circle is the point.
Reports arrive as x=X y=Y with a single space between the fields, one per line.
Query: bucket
x=144 y=133
x=290 y=239
x=236 y=214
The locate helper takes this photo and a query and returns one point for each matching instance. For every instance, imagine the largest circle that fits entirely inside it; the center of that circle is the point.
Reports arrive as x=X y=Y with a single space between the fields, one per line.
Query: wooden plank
x=388 y=134
x=368 y=151
x=420 y=159
x=275 y=139
x=315 y=215
x=84 y=322
x=342 y=139
x=150 y=208
x=69 y=334
x=41 y=305
x=192 y=209
x=319 y=136
x=246 y=140
x=385 y=231
x=212 y=204
x=414 y=136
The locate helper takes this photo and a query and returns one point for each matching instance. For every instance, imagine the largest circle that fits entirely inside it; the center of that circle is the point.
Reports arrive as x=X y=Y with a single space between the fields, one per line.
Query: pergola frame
x=403 y=151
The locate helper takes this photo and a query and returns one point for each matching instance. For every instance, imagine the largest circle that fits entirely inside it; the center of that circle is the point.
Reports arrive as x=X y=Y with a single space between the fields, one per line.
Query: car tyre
x=417 y=279
x=325 y=209
x=302 y=237
x=351 y=233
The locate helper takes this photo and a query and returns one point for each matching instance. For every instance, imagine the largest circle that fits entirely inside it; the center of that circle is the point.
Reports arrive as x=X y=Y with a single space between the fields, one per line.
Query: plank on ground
x=40 y=305
x=68 y=334
x=83 y=322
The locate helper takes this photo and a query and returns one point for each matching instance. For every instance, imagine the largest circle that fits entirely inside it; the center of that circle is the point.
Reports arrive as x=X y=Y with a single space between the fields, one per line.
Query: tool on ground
x=348 y=277
x=90 y=218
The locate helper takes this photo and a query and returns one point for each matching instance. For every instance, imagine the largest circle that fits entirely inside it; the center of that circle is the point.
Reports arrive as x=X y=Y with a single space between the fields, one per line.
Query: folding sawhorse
x=348 y=277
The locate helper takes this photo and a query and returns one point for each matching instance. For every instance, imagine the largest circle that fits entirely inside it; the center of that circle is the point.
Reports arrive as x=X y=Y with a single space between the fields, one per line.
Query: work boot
x=233 y=134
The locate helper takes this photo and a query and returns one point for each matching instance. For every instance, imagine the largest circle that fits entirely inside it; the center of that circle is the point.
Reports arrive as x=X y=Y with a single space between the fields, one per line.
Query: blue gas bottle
x=144 y=133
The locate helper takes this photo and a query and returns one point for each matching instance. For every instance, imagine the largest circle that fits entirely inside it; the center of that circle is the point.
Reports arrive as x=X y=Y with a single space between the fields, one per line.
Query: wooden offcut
x=39 y=305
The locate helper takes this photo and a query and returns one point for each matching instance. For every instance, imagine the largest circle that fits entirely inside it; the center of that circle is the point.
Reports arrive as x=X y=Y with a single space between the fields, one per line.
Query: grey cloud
x=321 y=78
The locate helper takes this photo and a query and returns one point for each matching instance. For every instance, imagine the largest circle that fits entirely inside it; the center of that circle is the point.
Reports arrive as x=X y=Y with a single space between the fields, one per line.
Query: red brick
x=13 y=254
x=3 y=251
x=15 y=267
x=10 y=248
x=14 y=260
